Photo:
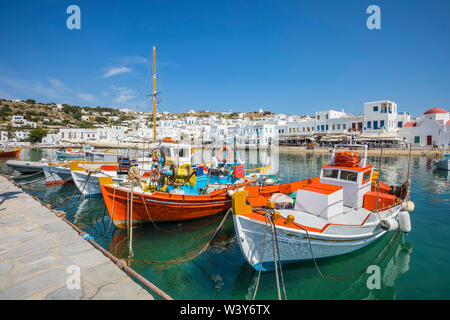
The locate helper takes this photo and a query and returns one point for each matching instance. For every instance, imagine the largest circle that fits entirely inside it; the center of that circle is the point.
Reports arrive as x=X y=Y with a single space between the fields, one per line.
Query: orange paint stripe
x=258 y=215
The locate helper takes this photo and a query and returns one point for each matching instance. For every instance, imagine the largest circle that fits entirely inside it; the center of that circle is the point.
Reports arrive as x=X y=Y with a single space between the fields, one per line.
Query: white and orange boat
x=342 y=210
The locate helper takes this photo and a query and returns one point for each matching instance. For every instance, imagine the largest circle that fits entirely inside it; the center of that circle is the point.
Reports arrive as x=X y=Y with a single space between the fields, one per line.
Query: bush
x=37 y=134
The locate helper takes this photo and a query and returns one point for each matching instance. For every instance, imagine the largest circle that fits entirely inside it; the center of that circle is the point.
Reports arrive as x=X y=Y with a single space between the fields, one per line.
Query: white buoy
x=409 y=206
x=404 y=221
x=230 y=193
x=389 y=224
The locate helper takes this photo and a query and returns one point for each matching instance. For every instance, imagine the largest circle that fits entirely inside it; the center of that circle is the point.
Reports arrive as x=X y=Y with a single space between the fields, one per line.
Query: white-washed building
x=432 y=127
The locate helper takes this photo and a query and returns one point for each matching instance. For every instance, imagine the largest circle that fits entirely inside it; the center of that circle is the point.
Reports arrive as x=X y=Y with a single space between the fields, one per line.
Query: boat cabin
x=343 y=183
x=181 y=152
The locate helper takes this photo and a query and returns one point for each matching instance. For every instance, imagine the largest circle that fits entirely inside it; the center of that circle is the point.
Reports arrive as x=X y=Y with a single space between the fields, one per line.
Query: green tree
x=101 y=119
x=37 y=134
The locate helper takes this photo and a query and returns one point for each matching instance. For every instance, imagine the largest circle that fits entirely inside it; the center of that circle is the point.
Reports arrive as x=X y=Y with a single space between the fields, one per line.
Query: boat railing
x=362 y=163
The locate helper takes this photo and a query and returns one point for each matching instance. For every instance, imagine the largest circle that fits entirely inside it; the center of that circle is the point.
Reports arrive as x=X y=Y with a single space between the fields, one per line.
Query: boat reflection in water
x=346 y=277
x=173 y=241
x=89 y=212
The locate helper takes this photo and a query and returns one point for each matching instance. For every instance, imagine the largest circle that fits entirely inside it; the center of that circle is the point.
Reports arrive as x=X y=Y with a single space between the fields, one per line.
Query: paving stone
x=123 y=290
x=13 y=221
x=28 y=270
x=33 y=285
x=78 y=246
x=104 y=274
x=34 y=257
x=20 y=236
x=3 y=282
x=63 y=293
x=89 y=259
x=28 y=249
x=68 y=235
x=6 y=267
x=58 y=226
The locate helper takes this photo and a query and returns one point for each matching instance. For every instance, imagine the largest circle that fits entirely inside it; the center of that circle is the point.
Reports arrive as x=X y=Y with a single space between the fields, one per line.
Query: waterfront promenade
x=40 y=253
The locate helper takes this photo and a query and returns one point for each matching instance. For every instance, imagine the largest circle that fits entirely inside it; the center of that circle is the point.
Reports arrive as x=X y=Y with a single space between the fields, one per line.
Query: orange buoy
x=220 y=155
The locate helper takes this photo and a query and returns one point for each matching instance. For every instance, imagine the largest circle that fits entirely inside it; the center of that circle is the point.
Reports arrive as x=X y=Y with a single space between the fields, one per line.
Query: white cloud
x=124 y=65
x=116 y=70
x=123 y=94
x=52 y=89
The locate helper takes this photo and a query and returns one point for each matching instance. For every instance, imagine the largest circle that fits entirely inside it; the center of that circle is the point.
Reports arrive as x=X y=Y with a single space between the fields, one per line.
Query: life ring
x=220 y=154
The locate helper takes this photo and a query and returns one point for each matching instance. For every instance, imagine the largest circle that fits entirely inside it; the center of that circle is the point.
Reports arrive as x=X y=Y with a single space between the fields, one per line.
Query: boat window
x=181 y=152
x=366 y=176
x=330 y=173
x=349 y=175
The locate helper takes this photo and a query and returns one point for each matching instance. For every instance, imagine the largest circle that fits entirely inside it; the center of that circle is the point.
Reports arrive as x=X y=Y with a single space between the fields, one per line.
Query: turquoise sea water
x=413 y=266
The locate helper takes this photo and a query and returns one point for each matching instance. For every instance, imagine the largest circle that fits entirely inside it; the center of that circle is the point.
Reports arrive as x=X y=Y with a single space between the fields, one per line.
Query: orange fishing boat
x=10 y=153
x=160 y=206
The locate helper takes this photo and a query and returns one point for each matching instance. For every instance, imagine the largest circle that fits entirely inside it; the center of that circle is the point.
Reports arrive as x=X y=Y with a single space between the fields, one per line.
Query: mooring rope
x=262 y=258
x=22 y=176
x=279 y=260
x=179 y=260
x=54 y=185
x=275 y=260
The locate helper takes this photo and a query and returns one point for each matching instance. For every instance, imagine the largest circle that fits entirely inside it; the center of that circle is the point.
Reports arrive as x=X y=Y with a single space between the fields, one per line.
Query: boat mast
x=154 y=93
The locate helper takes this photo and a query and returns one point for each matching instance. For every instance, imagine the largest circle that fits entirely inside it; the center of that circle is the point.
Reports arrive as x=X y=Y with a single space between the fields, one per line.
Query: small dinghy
x=25 y=167
x=69 y=153
x=443 y=164
x=343 y=210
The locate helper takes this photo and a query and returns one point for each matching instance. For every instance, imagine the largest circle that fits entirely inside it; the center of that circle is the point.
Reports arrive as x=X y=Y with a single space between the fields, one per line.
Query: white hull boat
x=87 y=180
x=25 y=167
x=88 y=183
x=69 y=155
x=56 y=174
x=97 y=156
x=343 y=210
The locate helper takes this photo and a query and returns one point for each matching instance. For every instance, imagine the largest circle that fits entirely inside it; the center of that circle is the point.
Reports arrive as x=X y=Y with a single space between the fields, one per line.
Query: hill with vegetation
x=49 y=116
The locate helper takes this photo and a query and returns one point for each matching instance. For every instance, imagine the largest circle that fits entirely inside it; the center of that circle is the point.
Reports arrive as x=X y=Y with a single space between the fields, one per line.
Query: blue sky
x=294 y=57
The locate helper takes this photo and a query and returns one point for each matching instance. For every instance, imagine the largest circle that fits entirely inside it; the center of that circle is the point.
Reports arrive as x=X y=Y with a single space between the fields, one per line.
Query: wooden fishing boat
x=87 y=179
x=342 y=210
x=159 y=206
x=10 y=153
x=57 y=173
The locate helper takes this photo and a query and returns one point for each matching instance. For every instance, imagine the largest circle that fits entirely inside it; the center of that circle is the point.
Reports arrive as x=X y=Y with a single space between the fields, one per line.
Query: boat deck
x=350 y=216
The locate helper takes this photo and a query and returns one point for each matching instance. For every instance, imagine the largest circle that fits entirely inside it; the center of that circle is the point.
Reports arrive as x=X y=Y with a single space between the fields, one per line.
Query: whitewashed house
x=432 y=127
